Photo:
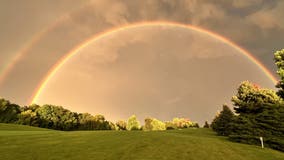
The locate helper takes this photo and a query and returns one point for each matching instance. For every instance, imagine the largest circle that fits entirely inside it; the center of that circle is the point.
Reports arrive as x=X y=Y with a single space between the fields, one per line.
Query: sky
x=36 y=34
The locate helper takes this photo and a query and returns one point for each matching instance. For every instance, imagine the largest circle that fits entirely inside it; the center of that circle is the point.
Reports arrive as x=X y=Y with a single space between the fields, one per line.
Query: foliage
x=170 y=125
x=148 y=124
x=59 y=118
x=111 y=126
x=249 y=94
x=121 y=125
x=51 y=116
x=279 y=61
x=28 y=117
x=152 y=124
x=222 y=122
x=206 y=125
x=182 y=123
x=133 y=123
x=260 y=114
x=8 y=112
x=97 y=122
x=268 y=123
x=56 y=117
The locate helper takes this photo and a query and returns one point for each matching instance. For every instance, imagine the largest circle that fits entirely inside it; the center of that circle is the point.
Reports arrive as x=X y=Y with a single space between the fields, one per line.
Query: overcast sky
x=45 y=30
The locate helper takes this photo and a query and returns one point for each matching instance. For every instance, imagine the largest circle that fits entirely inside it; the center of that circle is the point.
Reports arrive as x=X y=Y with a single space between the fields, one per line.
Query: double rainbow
x=101 y=35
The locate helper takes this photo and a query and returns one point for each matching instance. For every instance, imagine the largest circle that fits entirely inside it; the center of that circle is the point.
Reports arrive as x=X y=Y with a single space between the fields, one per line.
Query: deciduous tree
x=133 y=123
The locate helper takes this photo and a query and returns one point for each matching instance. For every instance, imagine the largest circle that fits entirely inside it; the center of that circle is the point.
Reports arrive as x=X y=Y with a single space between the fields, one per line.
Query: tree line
x=52 y=117
x=59 y=118
x=258 y=112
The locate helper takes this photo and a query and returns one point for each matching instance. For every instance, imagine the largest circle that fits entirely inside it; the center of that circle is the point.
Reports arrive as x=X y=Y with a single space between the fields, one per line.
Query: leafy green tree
x=68 y=120
x=86 y=121
x=8 y=112
x=279 y=61
x=101 y=123
x=56 y=117
x=152 y=124
x=182 y=123
x=28 y=117
x=249 y=96
x=47 y=116
x=158 y=125
x=222 y=122
x=121 y=125
x=132 y=123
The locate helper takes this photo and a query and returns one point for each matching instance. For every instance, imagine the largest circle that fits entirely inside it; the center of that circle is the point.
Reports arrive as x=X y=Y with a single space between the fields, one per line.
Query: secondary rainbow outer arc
x=36 y=38
x=22 y=53
x=96 y=37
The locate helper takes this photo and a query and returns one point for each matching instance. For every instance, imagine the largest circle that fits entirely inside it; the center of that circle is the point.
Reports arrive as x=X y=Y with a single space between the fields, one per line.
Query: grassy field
x=24 y=142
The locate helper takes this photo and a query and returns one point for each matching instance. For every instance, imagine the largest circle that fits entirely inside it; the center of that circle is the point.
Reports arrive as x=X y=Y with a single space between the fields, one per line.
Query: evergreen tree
x=221 y=123
x=260 y=114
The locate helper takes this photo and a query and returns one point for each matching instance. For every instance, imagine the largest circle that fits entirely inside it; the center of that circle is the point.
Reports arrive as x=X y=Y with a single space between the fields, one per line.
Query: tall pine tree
x=222 y=122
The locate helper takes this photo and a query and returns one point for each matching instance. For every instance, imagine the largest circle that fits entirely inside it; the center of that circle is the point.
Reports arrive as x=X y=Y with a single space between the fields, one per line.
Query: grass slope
x=190 y=144
x=15 y=127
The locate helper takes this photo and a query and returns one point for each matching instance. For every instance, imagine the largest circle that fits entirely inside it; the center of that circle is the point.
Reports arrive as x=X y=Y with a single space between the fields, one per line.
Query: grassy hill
x=24 y=142
x=15 y=127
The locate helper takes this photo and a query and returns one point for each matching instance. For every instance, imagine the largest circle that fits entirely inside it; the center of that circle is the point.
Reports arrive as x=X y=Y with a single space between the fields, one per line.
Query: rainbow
x=101 y=35
x=7 y=68
x=24 y=51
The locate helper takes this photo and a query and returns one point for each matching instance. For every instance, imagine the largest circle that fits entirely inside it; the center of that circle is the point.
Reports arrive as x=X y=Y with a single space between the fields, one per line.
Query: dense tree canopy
x=51 y=116
x=8 y=112
x=279 y=61
x=260 y=114
x=59 y=118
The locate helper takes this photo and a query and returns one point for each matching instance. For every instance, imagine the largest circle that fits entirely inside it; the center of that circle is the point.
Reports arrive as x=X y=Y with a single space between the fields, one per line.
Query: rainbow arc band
x=101 y=35
x=7 y=68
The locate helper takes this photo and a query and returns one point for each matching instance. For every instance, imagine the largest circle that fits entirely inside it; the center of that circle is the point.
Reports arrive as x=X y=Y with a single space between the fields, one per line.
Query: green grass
x=15 y=127
x=23 y=142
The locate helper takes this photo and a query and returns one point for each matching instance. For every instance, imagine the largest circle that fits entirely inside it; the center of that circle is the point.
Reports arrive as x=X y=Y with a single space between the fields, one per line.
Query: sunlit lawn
x=23 y=142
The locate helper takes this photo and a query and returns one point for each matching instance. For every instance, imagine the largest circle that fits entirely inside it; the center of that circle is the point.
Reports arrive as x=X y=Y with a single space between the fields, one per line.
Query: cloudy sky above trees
x=46 y=30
